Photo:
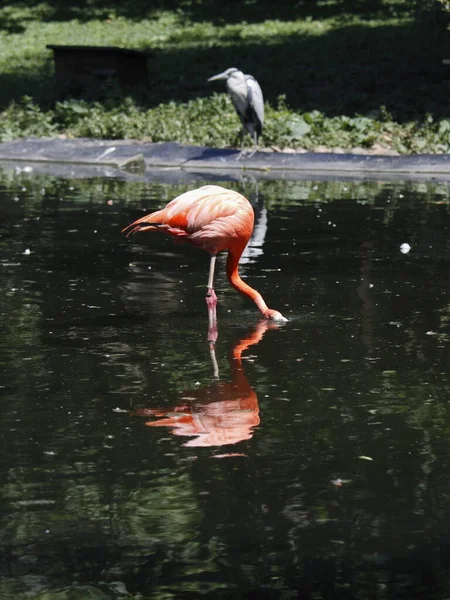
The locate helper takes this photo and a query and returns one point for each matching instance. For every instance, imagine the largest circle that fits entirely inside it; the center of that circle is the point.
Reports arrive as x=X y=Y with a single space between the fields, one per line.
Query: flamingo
x=214 y=219
x=220 y=413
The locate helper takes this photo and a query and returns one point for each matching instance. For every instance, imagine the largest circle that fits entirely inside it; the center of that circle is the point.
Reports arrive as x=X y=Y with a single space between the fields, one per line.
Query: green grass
x=334 y=74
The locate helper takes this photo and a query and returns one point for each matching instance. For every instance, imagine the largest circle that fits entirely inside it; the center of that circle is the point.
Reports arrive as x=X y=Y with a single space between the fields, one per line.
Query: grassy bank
x=335 y=74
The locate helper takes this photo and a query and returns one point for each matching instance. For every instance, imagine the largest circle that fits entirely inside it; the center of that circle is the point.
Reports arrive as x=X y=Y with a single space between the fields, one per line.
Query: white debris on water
x=405 y=248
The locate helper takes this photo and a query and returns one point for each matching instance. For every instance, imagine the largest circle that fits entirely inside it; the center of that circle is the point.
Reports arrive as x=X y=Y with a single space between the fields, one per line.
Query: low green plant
x=25 y=118
x=213 y=122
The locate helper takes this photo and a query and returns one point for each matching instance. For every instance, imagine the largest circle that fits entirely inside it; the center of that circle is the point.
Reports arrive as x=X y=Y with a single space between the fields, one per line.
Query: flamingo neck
x=241 y=286
x=235 y=357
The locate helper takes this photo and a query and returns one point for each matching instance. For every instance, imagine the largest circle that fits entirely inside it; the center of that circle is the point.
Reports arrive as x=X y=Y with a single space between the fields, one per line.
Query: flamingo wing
x=255 y=98
x=209 y=217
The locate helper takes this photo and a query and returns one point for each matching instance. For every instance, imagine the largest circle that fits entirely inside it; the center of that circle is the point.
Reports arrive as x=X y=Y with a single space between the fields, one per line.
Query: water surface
x=316 y=466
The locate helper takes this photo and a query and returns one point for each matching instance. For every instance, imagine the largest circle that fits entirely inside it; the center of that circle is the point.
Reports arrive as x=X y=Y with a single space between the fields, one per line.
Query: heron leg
x=255 y=145
x=242 y=152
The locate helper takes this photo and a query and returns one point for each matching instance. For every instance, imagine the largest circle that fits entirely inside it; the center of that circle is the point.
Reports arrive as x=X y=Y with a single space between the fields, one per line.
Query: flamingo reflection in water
x=220 y=413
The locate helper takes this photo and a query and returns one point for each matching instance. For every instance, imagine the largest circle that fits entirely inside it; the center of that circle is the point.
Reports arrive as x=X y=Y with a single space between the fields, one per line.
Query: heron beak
x=217 y=77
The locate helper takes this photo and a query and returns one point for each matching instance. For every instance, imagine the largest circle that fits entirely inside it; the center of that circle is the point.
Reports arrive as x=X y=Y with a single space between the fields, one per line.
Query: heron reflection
x=220 y=413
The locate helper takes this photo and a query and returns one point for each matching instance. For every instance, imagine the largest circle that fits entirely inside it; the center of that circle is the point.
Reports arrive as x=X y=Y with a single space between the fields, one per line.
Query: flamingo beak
x=276 y=316
x=280 y=319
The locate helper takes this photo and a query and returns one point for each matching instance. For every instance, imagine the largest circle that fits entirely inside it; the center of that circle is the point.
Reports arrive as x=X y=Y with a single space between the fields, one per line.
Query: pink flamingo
x=214 y=219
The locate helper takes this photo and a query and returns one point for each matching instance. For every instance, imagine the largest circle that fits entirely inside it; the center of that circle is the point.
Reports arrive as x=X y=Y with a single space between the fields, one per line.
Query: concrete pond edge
x=137 y=160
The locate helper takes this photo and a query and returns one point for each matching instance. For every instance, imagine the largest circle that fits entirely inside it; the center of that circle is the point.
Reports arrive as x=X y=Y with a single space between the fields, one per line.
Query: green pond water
x=315 y=467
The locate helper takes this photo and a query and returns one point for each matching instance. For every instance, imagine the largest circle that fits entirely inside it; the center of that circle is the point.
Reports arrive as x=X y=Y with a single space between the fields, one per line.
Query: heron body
x=214 y=219
x=247 y=98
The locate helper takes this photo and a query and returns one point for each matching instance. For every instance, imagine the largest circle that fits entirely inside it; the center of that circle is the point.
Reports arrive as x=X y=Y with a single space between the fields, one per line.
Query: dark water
x=316 y=467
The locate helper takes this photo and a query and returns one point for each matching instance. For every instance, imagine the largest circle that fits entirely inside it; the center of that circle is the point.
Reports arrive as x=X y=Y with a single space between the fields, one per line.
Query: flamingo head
x=274 y=315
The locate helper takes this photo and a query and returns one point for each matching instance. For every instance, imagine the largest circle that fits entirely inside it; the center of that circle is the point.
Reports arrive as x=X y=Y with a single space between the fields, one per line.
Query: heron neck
x=241 y=286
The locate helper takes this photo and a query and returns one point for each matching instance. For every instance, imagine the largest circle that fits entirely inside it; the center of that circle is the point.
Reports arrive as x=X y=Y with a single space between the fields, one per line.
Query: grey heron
x=248 y=101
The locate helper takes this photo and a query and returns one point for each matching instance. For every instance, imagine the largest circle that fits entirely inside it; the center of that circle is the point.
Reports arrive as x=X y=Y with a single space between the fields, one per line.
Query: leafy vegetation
x=339 y=75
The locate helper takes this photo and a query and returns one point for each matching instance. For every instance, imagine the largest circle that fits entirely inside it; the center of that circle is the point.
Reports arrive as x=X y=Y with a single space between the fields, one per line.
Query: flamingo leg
x=215 y=365
x=210 y=293
x=211 y=303
x=212 y=323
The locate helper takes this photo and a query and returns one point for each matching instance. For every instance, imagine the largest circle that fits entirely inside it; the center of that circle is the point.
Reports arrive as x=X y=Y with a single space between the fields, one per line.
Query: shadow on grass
x=354 y=69
x=214 y=11
x=347 y=71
